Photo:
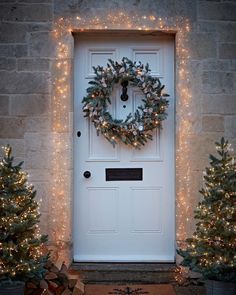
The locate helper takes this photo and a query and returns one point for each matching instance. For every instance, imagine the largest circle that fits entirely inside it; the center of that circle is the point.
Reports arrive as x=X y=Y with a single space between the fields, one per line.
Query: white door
x=123 y=220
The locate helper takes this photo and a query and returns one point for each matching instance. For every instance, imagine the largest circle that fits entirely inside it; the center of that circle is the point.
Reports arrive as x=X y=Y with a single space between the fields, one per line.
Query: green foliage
x=21 y=255
x=136 y=129
x=211 y=250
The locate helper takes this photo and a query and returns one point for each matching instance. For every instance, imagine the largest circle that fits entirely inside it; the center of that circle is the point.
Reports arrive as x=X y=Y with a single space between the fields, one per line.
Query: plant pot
x=220 y=288
x=16 y=289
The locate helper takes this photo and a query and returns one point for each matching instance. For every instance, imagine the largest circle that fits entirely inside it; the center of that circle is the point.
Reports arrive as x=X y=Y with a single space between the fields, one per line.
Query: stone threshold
x=106 y=273
x=123 y=266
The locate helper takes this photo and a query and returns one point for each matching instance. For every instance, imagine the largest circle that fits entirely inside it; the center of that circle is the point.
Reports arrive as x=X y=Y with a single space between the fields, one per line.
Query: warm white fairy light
x=62 y=143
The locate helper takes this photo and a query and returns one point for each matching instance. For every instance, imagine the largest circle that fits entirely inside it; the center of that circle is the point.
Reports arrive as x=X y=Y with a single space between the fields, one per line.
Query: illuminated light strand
x=61 y=105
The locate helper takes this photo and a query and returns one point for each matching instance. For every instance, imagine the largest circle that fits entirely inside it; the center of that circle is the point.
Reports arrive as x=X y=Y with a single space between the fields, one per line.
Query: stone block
x=226 y=31
x=230 y=126
x=35 y=1
x=233 y=65
x=38 y=160
x=213 y=123
x=219 y=104
x=215 y=65
x=7 y=64
x=218 y=82
x=227 y=51
x=216 y=11
x=41 y=175
x=29 y=105
x=13 y=50
x=12 y=127
x=37 y=124
x=36 y=27
x=33 y=64
x=37 y=141
x=18 y=146
x=42 y=44
x=202 y=45
x=13 y=33
x=92 y=8
x=26 y=12
x=4 y=105
x=24 y=83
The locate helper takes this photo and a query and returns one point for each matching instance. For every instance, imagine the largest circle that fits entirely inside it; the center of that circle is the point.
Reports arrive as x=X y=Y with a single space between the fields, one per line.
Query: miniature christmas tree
x=21 y=255
x=211 y=250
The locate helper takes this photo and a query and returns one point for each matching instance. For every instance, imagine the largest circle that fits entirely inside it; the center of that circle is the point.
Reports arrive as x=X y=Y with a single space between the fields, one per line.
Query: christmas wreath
x=136 y=129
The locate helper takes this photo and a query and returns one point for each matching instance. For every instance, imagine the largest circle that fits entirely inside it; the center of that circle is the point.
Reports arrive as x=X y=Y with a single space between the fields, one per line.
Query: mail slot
x=124 y=174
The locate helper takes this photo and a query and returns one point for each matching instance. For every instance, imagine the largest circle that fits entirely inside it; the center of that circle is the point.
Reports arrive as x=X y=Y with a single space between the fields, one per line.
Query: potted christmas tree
x=21 y=255
x=211 y=250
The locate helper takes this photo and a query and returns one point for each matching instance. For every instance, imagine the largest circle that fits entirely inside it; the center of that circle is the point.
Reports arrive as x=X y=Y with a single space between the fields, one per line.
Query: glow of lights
x=61 y=105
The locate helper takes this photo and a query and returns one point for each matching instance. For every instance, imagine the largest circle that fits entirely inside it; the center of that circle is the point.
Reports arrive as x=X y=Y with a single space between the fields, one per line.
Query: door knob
x=87 y=174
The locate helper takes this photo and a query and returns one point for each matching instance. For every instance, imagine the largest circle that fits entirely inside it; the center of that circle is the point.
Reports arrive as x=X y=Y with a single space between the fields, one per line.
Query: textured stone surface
x=230 y=126
x=226 y=31
x=219 y=104
x=14 y=82
x=37 y=124
x=13 y=50
x=217 y=11
x=31 y=64
x=213 y=123
x=13 y=33
x=12 y=127
x=29 y=105
x=4 y=105
x=227 y=51
x=7 y=64
x=42 y=44
x=26 y=12
x=202 y=46
x=218 y=82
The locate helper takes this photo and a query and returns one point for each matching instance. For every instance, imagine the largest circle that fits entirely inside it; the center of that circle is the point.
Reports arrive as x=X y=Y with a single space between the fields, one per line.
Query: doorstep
x=110 y=273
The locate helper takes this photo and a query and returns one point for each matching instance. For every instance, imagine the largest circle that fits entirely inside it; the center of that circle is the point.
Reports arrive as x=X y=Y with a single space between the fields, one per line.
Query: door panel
x=123 y=220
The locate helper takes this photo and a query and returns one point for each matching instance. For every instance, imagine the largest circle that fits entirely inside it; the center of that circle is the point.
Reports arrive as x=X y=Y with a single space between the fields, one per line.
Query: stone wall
x=27 y=60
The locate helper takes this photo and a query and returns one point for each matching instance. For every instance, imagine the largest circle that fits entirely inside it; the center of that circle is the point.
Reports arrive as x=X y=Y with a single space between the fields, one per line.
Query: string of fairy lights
x=62 y=105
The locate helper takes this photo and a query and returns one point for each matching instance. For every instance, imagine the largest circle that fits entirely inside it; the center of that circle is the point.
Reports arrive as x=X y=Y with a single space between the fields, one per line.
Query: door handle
x=87 y=174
